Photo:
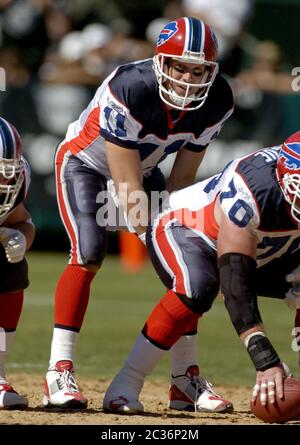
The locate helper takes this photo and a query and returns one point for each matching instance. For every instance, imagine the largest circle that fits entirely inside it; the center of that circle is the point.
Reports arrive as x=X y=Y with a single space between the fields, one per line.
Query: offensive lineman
x=239 y=229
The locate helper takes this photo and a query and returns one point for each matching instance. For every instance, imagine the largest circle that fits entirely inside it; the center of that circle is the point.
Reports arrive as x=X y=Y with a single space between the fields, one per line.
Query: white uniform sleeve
x=116 y=122
x=239 y=204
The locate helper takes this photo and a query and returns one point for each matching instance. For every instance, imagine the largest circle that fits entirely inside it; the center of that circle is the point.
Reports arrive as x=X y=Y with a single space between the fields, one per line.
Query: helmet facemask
x=291 y=190
x=166 y=82
x=11 y=180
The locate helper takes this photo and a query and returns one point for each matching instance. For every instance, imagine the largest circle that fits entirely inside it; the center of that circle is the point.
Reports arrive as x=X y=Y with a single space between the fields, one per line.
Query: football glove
x=14 y=243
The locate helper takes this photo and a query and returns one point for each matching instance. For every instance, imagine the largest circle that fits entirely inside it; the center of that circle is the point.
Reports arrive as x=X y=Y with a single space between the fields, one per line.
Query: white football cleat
x=10 y=399
x=61 y=390
x=122 y=395
x=191 y=392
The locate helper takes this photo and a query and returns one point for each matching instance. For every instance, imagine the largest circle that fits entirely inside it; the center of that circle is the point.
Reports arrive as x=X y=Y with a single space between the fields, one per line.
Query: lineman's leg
x=195 y=275
x=171 y=318
x=166 y=323
x=14 y=279
x=200 y=262
x=77 y=189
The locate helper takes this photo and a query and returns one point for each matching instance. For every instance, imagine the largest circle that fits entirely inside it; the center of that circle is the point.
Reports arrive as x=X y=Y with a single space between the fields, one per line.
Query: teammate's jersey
x=23 y=191
x=128 y=111
x=251 y=198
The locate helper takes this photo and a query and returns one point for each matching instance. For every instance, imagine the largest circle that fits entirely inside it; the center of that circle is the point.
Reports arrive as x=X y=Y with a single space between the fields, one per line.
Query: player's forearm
x=184 y=169
x=178 y=184
x=237 y=276
x=258 y=328
x=136 y=204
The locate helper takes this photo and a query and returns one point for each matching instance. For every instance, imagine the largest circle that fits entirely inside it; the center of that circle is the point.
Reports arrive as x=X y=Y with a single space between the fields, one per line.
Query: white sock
x=6 y=339
x=184 y=354
x=62 y=346
x=142 y=359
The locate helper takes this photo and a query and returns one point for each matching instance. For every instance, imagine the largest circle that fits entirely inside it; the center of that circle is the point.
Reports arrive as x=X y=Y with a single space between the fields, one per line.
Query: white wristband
x=247 y=339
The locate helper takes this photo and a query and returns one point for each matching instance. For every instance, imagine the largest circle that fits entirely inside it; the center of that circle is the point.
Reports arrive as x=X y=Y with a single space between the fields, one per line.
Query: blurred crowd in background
x=55 y=53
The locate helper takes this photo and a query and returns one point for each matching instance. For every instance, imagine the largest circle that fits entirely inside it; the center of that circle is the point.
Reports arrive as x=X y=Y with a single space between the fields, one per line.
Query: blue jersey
x=250 y=197
x=128 y=111
x=259 y=173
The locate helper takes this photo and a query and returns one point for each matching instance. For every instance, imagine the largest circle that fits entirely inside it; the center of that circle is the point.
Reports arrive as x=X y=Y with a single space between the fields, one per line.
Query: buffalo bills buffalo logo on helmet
x=290 y=155
x=169 y=30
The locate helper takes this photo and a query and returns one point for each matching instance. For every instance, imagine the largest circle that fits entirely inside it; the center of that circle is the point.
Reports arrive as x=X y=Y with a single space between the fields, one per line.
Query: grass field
x=118 y=307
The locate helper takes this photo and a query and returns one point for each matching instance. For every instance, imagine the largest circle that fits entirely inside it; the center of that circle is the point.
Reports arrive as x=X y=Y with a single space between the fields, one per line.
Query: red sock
x=168 y=321
x=11 y=304
x=192 y=327
x=72 y=296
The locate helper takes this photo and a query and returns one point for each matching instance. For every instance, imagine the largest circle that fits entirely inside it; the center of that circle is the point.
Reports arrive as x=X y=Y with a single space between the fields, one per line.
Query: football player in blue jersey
x=144 y=111
x=16 y=236
x=239 y=229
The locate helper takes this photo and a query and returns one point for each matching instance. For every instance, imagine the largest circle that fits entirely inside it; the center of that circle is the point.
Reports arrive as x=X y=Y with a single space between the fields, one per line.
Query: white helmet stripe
x=202 y=37
x=194 y=43
x=187 y=34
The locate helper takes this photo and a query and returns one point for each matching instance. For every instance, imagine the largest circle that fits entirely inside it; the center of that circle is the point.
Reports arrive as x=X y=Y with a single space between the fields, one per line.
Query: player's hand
x=14 y=243
x=270 y=384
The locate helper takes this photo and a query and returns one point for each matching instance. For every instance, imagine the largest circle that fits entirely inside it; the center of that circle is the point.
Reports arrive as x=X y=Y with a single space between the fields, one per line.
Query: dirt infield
x=154 y=397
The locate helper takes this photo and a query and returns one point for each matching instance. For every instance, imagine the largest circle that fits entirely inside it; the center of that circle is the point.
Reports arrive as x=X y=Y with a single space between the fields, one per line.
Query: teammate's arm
x=126 y=170
x=237 y=265
x=184 y=169
x=17 y=234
